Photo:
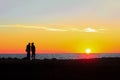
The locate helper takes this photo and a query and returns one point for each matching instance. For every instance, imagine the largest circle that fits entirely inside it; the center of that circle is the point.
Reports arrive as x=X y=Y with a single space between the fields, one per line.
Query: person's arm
x=26 y=49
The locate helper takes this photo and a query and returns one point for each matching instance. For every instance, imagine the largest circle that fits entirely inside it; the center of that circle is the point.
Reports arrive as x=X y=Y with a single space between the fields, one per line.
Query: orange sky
x=60 y=26
x=60 y=39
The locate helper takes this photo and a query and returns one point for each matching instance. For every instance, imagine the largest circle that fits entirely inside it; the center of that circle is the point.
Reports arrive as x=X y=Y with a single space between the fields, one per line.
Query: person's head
x=28 y=43
x=32 y=43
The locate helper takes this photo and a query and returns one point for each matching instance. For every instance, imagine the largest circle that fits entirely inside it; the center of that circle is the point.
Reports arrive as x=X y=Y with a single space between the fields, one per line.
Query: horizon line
x=65 y=53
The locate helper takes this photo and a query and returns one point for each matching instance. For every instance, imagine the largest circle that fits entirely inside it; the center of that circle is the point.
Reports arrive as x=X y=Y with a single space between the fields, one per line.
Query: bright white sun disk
x=88 y=51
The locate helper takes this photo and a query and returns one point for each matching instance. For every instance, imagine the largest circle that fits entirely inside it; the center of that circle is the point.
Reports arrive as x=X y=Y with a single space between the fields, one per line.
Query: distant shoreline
x=61 y=53
x=61 y=56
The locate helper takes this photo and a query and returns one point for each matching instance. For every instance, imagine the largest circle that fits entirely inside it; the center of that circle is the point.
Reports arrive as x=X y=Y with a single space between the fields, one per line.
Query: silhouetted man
x=33 y=51
x=28 y=51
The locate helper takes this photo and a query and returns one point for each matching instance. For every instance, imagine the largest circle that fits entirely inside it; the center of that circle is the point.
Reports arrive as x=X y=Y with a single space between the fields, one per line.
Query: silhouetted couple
x=30 y=48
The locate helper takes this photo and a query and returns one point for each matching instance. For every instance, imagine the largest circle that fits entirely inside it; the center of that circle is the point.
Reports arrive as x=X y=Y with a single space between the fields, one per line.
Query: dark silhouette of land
x=53 y=69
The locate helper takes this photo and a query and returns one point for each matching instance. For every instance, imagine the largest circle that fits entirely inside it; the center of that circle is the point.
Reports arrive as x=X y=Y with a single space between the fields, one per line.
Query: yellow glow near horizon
x=88 y=51
x=51 y=39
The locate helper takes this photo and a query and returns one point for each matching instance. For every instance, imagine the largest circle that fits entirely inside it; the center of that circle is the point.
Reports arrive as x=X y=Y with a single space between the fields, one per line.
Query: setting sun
x=88 y=51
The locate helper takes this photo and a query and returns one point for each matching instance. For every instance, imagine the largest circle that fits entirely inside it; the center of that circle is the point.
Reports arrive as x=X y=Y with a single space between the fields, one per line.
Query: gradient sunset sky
x=60 y=26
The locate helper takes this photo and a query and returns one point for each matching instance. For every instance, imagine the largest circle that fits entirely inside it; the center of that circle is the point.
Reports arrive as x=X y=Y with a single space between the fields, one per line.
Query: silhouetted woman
x=33 y=51
x=28 y=51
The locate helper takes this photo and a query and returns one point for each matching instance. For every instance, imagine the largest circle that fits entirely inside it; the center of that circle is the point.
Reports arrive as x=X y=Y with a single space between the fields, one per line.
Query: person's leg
x=27 y=55
x=32 y=56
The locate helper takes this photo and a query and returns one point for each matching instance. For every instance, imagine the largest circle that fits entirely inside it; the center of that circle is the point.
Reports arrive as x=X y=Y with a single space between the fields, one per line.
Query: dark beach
x=53 y=69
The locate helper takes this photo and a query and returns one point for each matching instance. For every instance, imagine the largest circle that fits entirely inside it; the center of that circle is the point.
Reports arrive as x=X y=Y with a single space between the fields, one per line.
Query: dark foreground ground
x=83 y=69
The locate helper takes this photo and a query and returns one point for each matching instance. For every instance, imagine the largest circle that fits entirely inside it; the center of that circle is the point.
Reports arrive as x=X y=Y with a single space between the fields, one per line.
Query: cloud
x=34 y=27
x=90 y=30
x=55 y=29
x=45 y=28
x=87 y=30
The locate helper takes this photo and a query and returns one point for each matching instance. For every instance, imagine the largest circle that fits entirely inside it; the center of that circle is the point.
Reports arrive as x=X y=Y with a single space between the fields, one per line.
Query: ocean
x=62 y=56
